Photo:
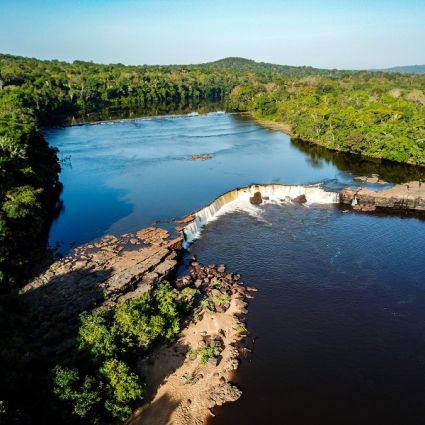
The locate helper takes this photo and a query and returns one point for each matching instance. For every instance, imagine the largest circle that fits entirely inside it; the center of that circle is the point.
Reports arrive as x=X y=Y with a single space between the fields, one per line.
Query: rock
x=221 y=268
x=301 y=199
x=223 y=393
x=213 y=361
x=256 y=199
x=221 y=308
x=111 y=273
x=364 y=207
x=239 y=289
x=360 y=179
x=152 y=235
x=408 y=196
x=186 y=220
x=202 y=157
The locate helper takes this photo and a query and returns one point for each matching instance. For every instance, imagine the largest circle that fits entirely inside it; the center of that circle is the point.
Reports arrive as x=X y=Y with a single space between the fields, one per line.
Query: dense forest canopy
x=376 y=114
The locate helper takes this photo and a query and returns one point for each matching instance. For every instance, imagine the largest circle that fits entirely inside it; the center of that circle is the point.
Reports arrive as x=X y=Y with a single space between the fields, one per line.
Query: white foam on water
x=238 y=200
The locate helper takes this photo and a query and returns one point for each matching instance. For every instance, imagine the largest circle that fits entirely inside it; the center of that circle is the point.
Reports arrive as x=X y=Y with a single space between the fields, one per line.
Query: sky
x=344 y=34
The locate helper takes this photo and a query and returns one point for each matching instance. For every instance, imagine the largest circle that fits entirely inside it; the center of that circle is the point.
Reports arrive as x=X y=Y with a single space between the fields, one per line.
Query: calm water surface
x=339 y=319
x=119 y=176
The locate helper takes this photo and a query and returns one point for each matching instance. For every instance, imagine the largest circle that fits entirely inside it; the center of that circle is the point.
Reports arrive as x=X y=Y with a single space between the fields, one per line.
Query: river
x=338 y=323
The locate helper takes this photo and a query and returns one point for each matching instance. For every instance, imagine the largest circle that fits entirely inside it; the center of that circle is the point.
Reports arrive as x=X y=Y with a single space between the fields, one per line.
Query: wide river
x=338 y=323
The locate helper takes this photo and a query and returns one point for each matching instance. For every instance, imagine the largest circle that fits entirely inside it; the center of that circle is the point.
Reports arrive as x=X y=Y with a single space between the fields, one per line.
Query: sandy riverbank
x=269 y=124
x=181 y=388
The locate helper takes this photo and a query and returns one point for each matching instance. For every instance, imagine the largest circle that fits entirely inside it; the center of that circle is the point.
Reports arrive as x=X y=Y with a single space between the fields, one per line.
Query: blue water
x=123 y=175
x=339 y=318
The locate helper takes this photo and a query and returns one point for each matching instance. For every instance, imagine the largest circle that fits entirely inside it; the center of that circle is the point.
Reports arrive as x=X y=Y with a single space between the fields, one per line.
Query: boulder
x=256 y=199
x=301 y=199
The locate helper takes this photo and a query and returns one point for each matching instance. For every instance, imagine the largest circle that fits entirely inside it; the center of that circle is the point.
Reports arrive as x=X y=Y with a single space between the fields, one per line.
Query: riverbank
x=270 y=124
x=287 y=129
x=188 y=378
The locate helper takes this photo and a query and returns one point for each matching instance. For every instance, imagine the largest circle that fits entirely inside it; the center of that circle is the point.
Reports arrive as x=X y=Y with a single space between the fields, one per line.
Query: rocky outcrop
x=101 y=273
x=408 y=196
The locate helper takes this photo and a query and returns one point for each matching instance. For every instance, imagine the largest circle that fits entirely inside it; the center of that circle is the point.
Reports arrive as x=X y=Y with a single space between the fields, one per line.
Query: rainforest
x=376 y=119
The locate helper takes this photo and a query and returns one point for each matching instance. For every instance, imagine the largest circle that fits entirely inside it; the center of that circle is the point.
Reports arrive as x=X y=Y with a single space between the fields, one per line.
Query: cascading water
x=239 y=200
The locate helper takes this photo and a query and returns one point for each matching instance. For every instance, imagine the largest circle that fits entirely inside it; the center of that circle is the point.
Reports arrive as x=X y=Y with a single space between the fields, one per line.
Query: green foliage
x=207 y=304
x=241 y=328
x=220 y=299
x=95 y=333
x=28 y=181
x=20 y=202
x=83 y=395
x=372 y=114
x=122 y=388
x=110 y=341
x=188 y=378
x=208 y=352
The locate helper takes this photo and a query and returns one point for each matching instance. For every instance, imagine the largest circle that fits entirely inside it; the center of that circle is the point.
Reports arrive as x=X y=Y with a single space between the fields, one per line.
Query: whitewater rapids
x=239 y=200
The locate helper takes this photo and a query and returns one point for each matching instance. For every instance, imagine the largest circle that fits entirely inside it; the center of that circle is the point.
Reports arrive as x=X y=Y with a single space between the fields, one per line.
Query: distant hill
x=408 y=69
x=249 y=65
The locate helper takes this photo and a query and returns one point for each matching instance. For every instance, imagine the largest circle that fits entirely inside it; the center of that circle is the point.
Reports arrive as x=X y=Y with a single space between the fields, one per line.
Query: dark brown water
x=339 y=319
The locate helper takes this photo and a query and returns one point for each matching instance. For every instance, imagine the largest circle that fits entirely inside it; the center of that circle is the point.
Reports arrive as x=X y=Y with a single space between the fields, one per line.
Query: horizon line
x=206 y=63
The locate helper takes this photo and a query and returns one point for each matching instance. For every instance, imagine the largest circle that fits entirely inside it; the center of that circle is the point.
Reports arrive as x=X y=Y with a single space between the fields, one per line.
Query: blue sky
x=324 y=33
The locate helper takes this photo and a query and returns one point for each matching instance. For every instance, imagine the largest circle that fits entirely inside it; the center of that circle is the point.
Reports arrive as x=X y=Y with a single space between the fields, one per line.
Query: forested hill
x=249 y=65
x=409 y=69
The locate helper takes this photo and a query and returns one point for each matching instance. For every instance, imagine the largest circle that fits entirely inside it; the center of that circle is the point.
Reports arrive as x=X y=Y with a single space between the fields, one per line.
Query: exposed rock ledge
x=105 y=272
x=407 y=196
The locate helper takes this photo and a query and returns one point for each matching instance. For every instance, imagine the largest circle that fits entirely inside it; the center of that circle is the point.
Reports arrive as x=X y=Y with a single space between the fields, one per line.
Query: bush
x=110 y=341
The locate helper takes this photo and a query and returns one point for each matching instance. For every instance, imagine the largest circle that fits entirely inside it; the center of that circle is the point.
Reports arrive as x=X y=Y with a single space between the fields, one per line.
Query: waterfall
x=239 y=199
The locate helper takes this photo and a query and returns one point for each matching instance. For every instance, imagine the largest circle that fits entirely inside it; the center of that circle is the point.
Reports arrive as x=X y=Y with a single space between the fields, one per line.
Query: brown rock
x=153 y=234
x=186 y=220
x=202 y=157
x=409 y=196
x=301 y=199
x=110 y=273
x=256 y=199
